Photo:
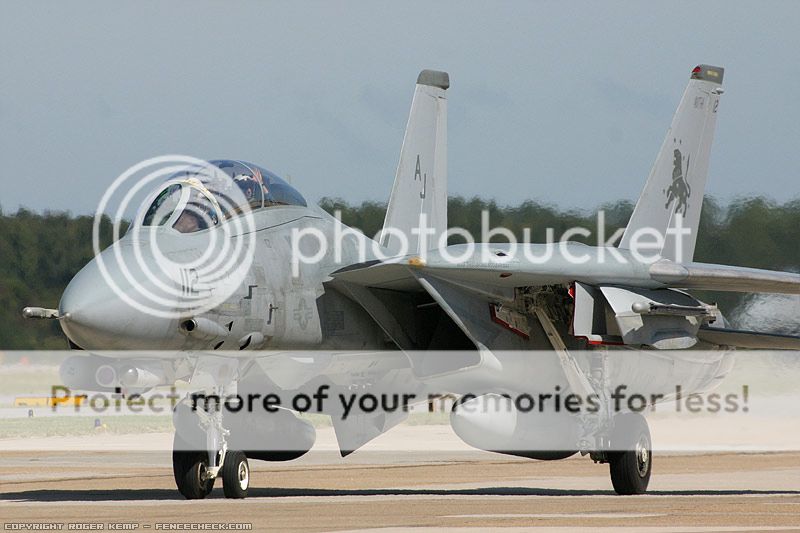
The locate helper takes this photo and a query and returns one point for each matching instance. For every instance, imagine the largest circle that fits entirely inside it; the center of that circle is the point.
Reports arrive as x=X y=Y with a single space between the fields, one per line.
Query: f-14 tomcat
x=481 y=322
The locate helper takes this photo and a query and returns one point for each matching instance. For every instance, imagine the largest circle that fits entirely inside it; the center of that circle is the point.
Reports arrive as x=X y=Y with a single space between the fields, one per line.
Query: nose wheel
x=195 y=479
x=192 y=475
x=235 y=475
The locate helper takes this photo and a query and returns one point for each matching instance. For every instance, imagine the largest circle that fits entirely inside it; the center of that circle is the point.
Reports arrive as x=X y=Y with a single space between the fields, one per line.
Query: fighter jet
x=407 y=311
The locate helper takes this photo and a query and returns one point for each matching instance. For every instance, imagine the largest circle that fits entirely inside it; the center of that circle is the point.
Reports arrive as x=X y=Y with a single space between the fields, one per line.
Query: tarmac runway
x=381 y=487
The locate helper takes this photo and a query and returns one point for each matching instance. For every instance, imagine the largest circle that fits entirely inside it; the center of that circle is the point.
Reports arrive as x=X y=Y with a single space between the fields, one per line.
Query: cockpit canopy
x=273 y=190
x=202 y=197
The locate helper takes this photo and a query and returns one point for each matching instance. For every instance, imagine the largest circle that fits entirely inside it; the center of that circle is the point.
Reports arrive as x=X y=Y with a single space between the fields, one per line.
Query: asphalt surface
x=382 y=487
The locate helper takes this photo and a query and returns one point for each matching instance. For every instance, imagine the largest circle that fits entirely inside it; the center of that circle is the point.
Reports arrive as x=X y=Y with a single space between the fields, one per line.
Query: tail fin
x=674 y=191
x=420 y=185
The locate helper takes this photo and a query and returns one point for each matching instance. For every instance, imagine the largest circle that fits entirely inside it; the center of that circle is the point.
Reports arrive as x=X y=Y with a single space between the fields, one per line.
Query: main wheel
x=235 y=475
x=190 y=468
x=631 y=461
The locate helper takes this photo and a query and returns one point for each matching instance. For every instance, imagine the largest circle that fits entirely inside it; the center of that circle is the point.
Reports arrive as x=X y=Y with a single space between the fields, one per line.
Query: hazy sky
x=561 y=102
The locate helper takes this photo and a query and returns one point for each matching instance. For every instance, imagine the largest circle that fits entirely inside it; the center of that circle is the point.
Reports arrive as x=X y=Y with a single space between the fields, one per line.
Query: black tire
x=631 y=458
x=189 y=468
x=235 y=474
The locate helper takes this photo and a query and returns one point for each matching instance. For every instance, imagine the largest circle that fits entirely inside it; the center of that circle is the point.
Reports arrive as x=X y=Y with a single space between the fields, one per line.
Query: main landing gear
x=627 y=447
x=628 y=451
x=631 y=462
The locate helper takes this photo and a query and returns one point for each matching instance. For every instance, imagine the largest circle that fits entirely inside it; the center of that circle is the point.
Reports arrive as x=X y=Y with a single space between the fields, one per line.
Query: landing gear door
x=593 y=318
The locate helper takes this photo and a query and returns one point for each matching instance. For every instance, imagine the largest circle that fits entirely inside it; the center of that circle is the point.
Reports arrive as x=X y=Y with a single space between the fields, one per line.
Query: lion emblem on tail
x=680 y=190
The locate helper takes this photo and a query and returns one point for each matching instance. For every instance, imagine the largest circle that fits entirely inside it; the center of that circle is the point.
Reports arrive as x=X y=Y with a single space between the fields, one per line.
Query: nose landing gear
x=195 y=477
x=200 y=450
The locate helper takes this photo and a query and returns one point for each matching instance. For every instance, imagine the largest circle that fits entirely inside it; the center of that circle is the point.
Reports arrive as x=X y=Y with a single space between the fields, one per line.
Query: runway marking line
x=558 y=515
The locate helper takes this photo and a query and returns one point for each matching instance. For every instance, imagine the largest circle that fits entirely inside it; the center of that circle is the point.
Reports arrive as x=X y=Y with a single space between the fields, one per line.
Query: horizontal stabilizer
x=748 y=339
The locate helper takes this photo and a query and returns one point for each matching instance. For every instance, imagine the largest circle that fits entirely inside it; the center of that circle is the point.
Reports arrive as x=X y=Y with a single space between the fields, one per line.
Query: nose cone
x=98 y=317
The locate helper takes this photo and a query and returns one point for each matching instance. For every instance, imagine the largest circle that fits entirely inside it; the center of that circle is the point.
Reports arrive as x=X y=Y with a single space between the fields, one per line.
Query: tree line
x=39 y=253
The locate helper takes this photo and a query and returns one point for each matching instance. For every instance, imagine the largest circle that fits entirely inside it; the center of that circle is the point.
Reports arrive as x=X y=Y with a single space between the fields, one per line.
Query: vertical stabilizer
x=675 y=188
x=420 y=185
